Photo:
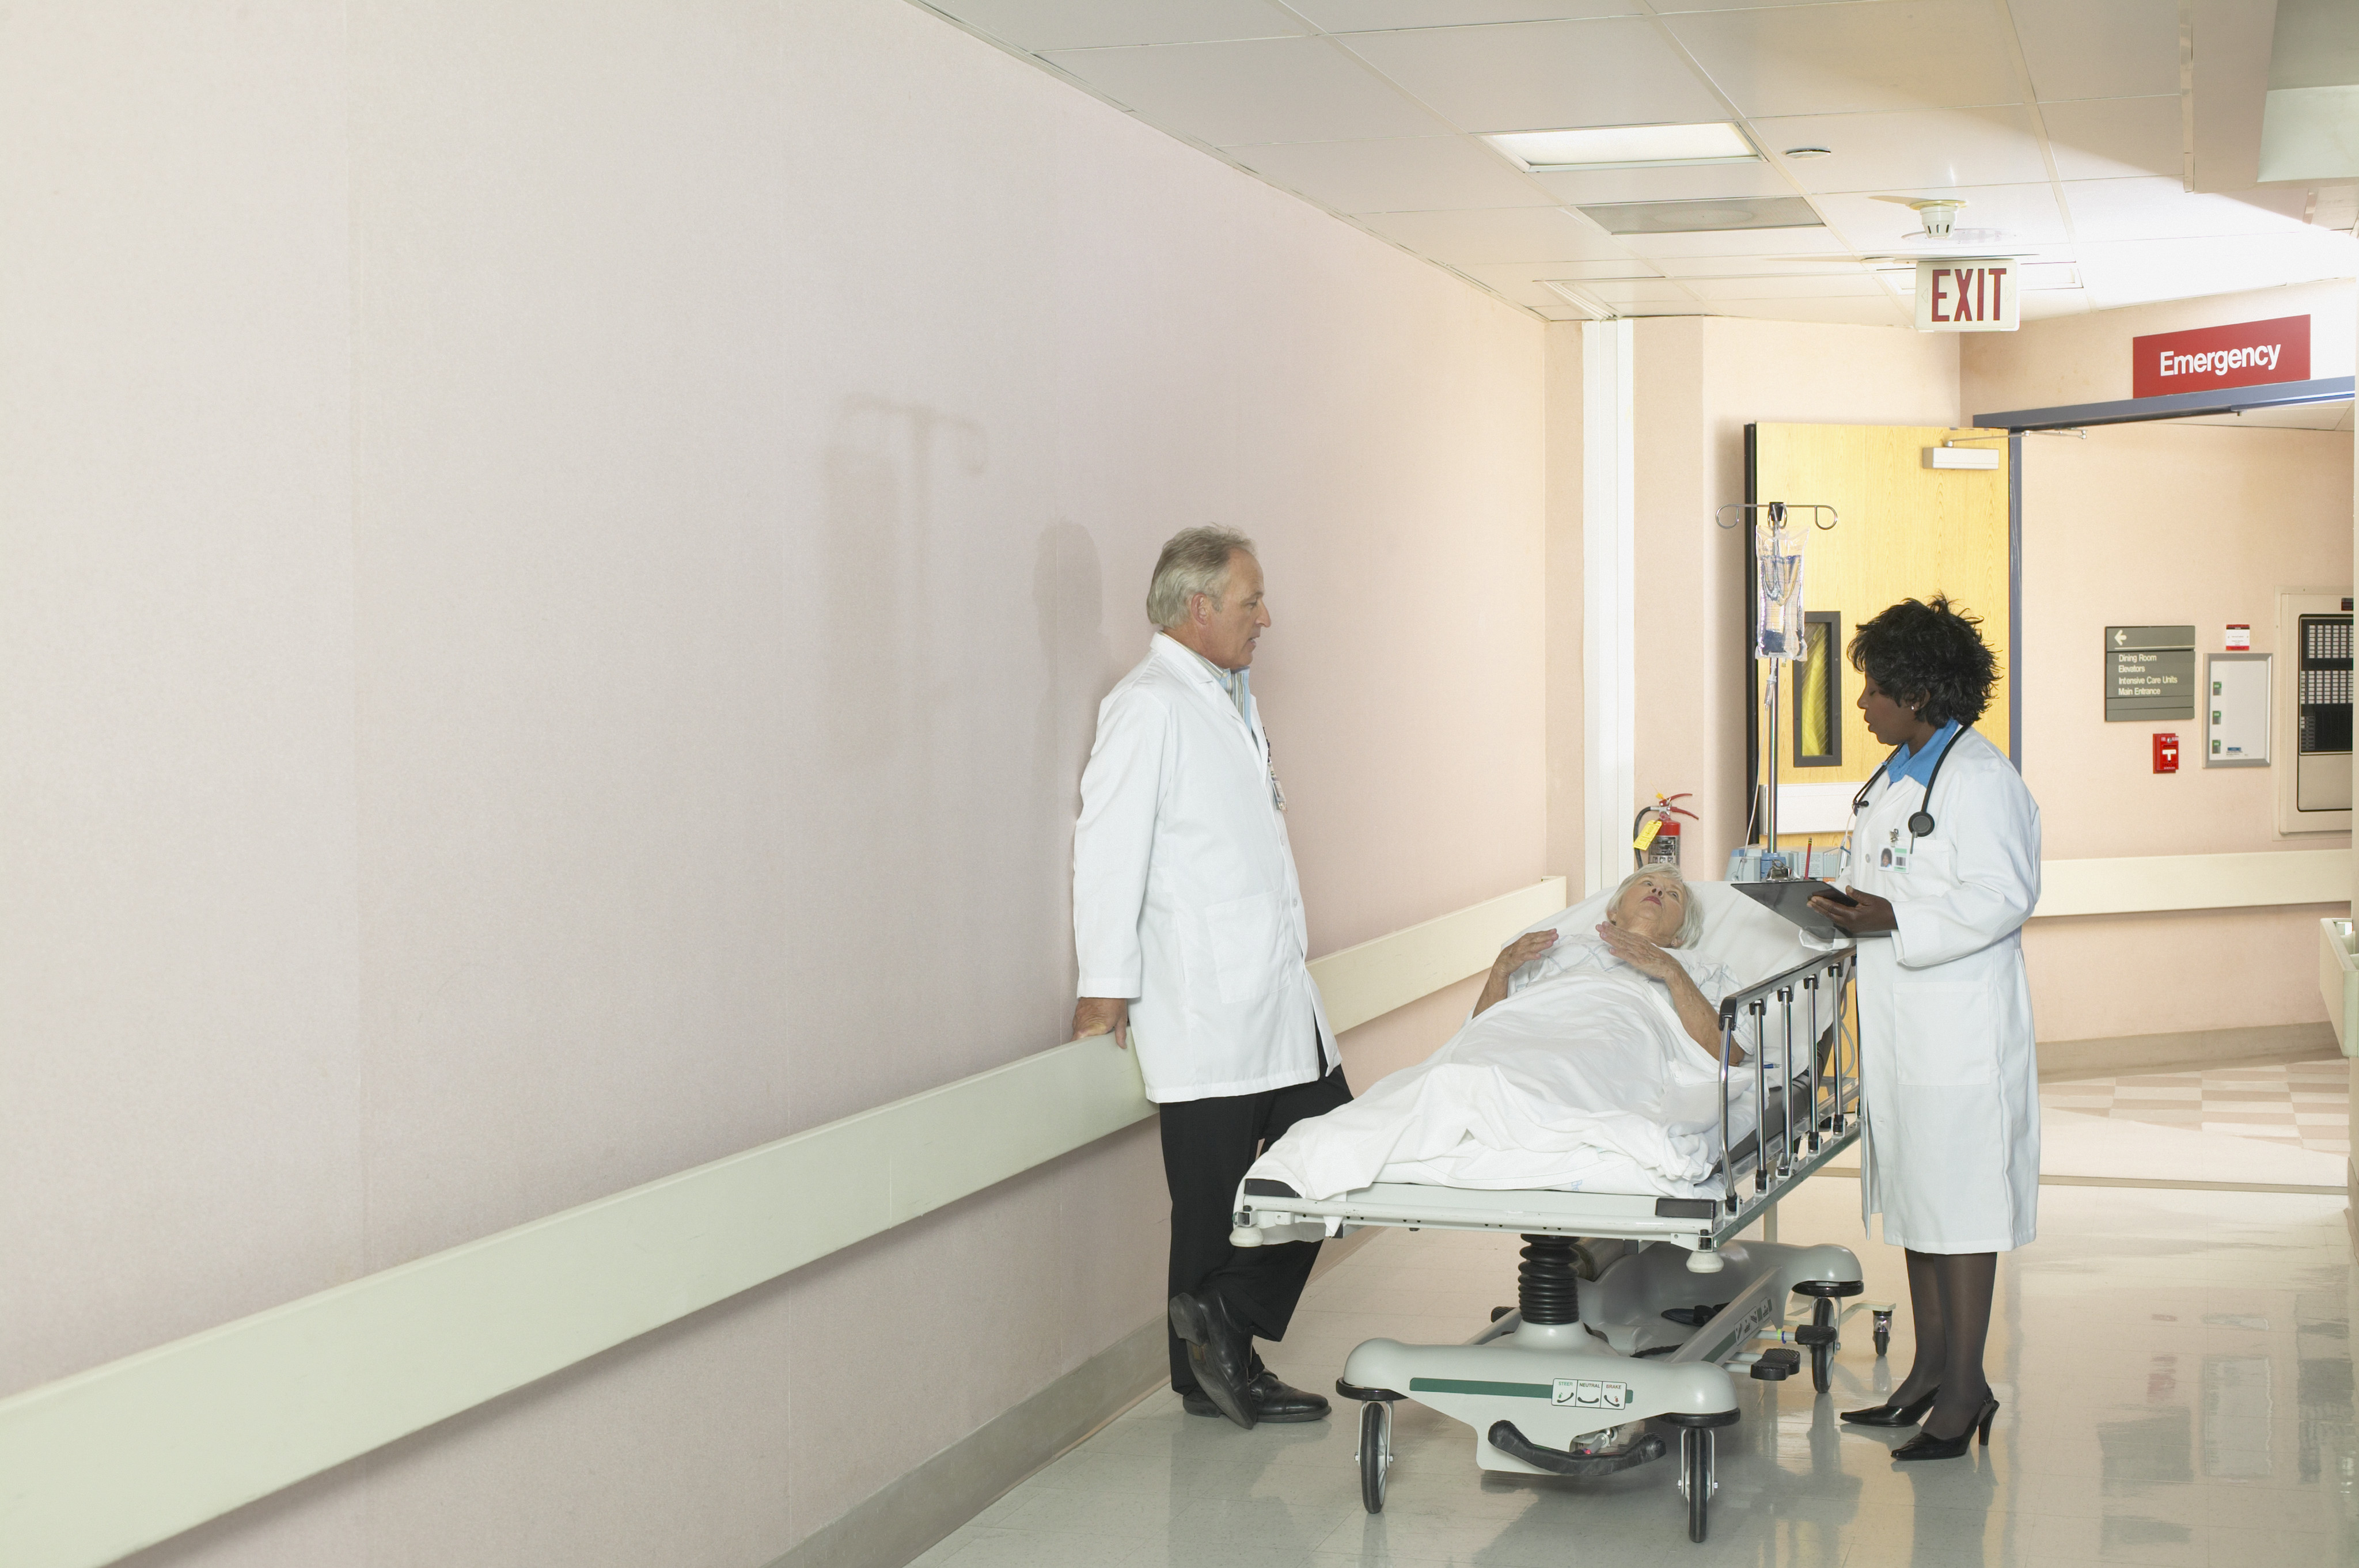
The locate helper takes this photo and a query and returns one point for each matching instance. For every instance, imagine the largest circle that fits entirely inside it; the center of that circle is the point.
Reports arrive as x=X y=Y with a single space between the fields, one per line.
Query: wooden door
x=1903 y=530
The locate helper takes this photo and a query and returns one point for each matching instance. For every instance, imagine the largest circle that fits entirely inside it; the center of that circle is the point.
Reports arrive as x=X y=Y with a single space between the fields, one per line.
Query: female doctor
x=1945 y=869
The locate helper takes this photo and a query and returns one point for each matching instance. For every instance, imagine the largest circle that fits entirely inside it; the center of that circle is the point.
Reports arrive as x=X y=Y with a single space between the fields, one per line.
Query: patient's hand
x=1697 y=1016
x=1638 y=952
x=1522 y=951
x=1512 y=957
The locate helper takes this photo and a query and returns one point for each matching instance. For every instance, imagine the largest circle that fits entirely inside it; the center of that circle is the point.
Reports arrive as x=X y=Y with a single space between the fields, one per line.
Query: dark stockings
x=1950 y=1297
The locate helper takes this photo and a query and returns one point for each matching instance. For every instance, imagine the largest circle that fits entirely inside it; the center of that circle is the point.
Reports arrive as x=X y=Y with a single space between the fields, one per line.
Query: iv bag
x=1778 y=593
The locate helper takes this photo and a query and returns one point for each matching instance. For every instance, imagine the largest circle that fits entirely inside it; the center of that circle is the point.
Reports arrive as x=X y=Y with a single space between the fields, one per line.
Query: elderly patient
x=1592 y=1060
x=1651 y=913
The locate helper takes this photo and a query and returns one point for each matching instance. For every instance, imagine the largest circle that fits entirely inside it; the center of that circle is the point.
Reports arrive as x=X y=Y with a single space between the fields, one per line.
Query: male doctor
x=1187 y=922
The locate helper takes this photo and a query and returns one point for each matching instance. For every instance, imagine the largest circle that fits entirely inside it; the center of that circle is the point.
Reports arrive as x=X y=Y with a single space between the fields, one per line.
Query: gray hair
x=1194 y=561
x=1690 y=911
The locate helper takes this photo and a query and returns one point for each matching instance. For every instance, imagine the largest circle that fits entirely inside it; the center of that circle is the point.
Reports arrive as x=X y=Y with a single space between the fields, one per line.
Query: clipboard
x=1791 y=898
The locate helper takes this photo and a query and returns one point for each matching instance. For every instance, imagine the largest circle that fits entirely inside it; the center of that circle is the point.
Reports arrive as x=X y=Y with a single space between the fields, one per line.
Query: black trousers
x=1207 y=1145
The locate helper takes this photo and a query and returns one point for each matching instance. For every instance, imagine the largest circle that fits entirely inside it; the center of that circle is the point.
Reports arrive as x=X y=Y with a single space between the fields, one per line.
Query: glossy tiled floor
x=2304 y=1105
x=2175 y=1368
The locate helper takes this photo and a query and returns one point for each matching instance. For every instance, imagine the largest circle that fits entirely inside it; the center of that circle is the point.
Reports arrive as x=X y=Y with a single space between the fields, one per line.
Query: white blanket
x=1582 y=1078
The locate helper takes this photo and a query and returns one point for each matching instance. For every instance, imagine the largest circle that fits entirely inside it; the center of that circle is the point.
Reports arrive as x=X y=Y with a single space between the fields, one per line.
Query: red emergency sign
x=2248 y=354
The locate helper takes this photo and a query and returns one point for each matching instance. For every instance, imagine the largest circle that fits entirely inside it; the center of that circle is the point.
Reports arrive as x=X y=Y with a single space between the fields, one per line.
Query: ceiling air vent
x=1700 y=217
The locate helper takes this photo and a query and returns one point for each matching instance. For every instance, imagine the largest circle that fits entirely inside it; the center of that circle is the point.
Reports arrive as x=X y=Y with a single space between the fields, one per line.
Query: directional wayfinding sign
x=2149 y=673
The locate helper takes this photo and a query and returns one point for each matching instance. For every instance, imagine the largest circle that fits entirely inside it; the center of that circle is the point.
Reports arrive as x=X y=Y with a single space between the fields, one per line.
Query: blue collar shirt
x=1919 y=764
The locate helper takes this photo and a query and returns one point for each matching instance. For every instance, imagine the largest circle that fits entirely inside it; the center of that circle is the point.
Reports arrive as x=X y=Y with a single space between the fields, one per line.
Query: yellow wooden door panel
x=1905 y=532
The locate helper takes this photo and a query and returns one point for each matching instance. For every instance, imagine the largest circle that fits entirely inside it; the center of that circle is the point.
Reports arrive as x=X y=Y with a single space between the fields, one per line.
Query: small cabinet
x=2236 y=711
x=2311 y=726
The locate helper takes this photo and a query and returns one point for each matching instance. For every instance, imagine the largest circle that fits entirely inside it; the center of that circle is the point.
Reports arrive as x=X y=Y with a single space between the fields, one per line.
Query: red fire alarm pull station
x=2166 y=754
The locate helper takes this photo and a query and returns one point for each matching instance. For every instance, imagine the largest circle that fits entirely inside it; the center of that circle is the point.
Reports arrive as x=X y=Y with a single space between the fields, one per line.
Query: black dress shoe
x=1925 y=1446
x=1272 y=1400
x=1909 y=1414
x=1219 y=1352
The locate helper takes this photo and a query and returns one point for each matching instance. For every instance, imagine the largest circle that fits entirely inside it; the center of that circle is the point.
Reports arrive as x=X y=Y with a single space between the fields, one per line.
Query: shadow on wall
x=1069 y=597
x=931 y=807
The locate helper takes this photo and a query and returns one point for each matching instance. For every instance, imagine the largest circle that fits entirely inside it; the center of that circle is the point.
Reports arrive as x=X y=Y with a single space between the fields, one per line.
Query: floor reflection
x=2174 y=1370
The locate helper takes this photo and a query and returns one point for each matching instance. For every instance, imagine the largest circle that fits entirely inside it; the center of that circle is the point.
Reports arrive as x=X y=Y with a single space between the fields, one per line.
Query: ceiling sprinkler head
x=1938 y=213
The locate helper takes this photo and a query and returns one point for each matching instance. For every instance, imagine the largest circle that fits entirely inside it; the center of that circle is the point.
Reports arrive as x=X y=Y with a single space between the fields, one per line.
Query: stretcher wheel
x=1823 y=1356
x=1376 y=1452
x=1883 y=1334
x=1695 y=1476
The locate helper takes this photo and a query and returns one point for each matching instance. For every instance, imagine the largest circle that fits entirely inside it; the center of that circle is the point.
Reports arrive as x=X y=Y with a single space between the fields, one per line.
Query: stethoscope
x=1920 y=821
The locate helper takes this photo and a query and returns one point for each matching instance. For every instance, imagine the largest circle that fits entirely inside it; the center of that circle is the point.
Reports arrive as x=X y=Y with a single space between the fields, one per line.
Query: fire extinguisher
x=1656 y=831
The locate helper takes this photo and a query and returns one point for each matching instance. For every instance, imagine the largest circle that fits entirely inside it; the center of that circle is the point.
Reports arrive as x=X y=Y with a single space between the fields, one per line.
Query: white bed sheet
x=1582 y=1080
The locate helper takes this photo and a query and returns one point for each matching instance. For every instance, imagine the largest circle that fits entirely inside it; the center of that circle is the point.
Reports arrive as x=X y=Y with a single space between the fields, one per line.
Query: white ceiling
x=2062 y=123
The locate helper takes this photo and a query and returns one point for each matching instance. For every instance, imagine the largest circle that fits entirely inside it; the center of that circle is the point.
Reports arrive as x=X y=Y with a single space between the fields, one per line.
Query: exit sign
x=1966 y=296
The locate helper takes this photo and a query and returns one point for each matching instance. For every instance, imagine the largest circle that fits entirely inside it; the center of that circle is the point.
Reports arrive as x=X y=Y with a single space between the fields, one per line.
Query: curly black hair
x=1929 y=650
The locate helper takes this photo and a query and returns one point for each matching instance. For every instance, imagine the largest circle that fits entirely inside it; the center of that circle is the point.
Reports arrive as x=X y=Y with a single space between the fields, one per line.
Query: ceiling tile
x=2037 y=277
x=1625 y=218
x=2135 y=273
x=1672 y=7
x=1628 y=270
x=2100 y=49
x=2161 y=210
x=1518 y=282
x=1713 y=181
x=1783 y=244
x=1417 y=174
x=1277 y=90
x=1926 y=147
x=2114 y=139
x=1855 y=285
x=1039 y=25
x=1836 y=266
x=1543 y=76
x=1620 y=295
x=1818 y=59
x=1864 y=311
x=2041 y=305
x=2021 y=214
x=1373 y=16
x=1504 y=234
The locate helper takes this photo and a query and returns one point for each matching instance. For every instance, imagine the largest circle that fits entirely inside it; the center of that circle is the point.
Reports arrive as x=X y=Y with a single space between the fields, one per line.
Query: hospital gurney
x=1608 y=1335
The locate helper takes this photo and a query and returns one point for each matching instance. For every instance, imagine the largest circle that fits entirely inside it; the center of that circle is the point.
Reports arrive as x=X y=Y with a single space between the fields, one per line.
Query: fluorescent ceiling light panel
x=1698 y=217
x=1624 y=146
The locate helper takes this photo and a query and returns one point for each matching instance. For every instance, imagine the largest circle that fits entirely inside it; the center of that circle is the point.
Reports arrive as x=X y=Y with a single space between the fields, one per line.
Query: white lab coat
x=1185 y=899
x=1950 y=1081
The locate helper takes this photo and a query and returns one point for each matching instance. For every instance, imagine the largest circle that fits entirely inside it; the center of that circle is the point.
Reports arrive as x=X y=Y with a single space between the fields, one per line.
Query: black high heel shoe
x=1909 y=1414
x=1925 y=1446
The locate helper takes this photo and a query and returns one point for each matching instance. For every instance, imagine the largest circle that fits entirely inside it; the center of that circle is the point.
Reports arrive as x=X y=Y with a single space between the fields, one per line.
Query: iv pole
x=1773 y=863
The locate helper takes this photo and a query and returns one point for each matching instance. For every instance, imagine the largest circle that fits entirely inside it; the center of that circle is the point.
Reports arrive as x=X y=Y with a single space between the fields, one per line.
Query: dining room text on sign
x=1966 y=296
x=2246 y=353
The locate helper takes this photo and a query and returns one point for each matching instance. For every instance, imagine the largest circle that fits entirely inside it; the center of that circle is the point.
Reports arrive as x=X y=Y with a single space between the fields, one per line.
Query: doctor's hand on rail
x=1103 y=1015
x=1865 y=915
x=1512 y=957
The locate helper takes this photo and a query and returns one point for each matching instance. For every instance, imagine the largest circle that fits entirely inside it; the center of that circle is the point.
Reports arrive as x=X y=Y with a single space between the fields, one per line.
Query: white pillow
x=1754 y=943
